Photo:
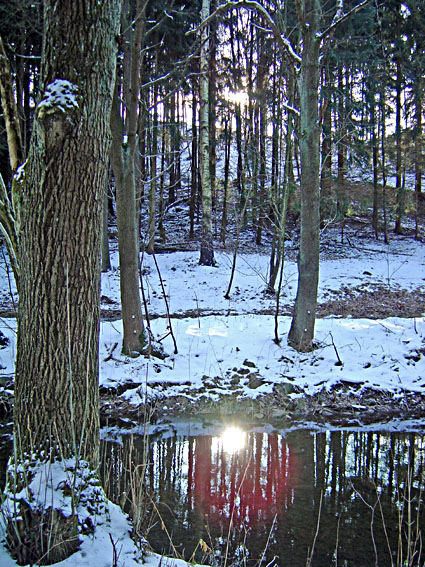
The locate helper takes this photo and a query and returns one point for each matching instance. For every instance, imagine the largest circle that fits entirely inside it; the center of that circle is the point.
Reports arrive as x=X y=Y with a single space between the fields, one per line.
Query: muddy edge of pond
x=346 y=404
x=342 y=406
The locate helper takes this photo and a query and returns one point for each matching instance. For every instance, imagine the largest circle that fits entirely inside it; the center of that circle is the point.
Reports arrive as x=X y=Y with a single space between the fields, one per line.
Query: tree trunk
x=262 y=120
x=375 y=211
x=326 y=205
x=240 y=179
x=106 y=260
x=161 y=201
x=193 y=167
x=212 y=102
x=56 y=383
x=10 y=113
x=341 y=155
x=10 y=208
x=123 y=158
x=207 y=248
x=301 y=333
x=227 y=149
x=172 y=154
x=418 y=153
x=58 y=323
x=153 y=173
x=383 y=133
x=400 y=186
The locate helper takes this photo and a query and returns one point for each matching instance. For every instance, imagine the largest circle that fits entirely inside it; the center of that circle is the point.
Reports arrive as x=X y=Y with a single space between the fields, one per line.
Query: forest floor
x=367 y=367
x=368 y=364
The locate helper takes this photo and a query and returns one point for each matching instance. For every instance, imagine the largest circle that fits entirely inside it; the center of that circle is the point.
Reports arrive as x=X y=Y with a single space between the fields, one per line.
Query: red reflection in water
x=249 y=486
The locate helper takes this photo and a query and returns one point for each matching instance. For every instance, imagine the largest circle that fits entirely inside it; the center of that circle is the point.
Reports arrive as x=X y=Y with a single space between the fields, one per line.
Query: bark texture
x=56 y=392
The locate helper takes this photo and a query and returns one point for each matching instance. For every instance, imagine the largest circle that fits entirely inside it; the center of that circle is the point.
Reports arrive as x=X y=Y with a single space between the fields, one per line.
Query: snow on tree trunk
x=56 y=385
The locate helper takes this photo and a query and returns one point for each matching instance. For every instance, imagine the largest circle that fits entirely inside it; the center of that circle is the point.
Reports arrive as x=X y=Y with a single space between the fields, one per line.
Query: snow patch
x=61 y=95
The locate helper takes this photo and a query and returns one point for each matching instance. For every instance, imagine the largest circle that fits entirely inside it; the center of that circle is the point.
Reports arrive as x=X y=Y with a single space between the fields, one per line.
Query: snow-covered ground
x=217 y=337
x=211 y=347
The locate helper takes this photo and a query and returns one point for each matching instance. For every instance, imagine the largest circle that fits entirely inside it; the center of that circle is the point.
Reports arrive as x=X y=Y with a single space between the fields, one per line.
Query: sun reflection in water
x=232 y=440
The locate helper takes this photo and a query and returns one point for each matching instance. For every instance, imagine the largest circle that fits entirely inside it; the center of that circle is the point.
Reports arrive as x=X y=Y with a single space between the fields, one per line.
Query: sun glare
x=238 y=97
x=232 y=439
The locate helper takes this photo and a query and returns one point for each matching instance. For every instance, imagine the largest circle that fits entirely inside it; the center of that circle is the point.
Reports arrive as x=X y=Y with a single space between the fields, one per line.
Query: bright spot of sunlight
x=232 y=439
x=217 y=331
x=214 y=331
x=194 y=330
x=238 y=97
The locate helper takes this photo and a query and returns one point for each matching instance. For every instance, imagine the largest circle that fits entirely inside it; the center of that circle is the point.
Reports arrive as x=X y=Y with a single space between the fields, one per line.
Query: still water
x=273 y=497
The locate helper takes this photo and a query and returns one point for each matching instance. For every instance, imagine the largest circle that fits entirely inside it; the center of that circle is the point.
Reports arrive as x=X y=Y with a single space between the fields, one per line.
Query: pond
x=229 y=495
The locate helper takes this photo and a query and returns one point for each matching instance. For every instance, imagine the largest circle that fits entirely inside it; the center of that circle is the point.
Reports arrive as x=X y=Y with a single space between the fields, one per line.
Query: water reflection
x=232 y=439
x=243 y=492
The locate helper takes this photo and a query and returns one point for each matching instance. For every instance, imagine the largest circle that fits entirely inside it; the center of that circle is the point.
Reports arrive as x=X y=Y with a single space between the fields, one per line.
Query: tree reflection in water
x=202 y=485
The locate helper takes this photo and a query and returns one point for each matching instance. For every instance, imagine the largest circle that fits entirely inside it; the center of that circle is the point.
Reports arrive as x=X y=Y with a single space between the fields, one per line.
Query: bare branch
x=339 y=19
x=291 y=109
x=284 y=44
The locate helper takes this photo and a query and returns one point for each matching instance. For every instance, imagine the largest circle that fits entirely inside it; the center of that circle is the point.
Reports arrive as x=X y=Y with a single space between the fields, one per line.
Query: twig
x=109 y=357
x=372 y=520
x=339 y=363
x=164 y=295
x=267 y=543
x=115 y=555
x=385 y=527
x=164 y=528
x=310 y=556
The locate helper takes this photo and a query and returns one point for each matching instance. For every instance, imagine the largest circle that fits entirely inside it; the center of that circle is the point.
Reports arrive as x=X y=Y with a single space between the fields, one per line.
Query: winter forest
x=212 y=283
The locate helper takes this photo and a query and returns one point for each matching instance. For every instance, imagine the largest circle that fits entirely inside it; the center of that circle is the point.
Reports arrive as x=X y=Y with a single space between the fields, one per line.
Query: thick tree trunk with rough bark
x=56 y=415
x=56 y=388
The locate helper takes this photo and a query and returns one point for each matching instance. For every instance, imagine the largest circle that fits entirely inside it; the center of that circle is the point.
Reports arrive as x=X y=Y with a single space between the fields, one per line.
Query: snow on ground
x=212 y=348
x=381 y=354
x=213 y=342
x=190 y=287
x=99 y=552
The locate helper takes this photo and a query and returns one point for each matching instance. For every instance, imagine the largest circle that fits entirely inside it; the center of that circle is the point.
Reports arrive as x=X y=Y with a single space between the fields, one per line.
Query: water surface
x=339 y=497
